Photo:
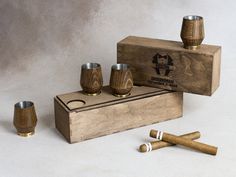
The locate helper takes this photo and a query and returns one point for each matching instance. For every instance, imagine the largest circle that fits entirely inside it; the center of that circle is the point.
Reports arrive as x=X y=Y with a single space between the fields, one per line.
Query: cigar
x=160 y=144
x=184 y=142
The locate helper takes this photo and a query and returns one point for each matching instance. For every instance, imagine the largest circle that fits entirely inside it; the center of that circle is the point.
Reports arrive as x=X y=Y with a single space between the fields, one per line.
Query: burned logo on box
x=164 y=66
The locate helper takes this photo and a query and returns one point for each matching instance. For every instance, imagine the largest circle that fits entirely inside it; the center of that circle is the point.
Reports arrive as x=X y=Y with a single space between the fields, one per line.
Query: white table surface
x=44 y=43
x=48 y=154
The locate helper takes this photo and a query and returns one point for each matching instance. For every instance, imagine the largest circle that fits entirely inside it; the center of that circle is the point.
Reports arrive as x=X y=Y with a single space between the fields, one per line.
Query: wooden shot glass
x=147 y=147
x=192 y=32
x=121 y=80
x=91 y=79
x=183 y=141
x=25 y=118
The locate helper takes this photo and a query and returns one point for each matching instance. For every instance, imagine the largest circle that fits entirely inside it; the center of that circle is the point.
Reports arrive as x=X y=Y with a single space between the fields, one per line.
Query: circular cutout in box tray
x=74 y=104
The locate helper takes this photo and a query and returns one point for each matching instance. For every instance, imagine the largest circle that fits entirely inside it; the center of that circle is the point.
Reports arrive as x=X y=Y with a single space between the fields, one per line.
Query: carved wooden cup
x=192 y=32
x=25 y=118
x=121 y=80
x=91 y=79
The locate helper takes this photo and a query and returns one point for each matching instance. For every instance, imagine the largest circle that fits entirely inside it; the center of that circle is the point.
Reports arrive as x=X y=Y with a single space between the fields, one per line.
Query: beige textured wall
x=44 y=42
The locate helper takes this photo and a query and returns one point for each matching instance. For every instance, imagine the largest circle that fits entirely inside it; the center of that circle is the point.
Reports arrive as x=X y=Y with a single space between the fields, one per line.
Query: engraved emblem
x=164 y=64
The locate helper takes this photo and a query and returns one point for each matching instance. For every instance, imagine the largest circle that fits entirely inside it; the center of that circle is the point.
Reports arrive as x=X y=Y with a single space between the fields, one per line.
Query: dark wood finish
x=62 y=121
x=166 y=64
x=192 y=32
x=25 y=118
x=161 y=144
x=106 y=114
x=121 y=80
x=91 y=79
x=173 y=139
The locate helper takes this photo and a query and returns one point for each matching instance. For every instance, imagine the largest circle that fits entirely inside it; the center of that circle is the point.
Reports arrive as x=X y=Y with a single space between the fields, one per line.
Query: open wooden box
x=80 y=117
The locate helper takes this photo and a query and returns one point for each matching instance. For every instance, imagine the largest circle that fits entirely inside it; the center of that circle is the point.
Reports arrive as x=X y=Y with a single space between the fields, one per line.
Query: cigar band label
x=159 y=135
x=149 y=147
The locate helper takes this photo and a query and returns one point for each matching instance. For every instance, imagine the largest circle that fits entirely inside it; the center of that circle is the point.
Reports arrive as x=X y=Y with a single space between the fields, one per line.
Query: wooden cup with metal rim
x=121 y=80
x=25 y=118
x=192 y=32
x=91 y=79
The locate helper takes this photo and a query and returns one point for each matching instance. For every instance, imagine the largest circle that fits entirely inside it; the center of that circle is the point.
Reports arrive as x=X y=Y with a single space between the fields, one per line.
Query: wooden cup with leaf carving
x=91 y=79
x=192 y=32
x=25 y=118
x=121 y=80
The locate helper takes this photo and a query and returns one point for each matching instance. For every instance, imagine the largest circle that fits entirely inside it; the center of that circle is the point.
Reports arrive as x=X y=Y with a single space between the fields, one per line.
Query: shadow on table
x=7 y=125
x=47 y=123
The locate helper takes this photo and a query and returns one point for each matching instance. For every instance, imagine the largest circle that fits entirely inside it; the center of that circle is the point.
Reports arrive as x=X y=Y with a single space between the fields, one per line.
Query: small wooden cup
x=192 y=32
x=121 y=80
x=25 y=118
x=91 y=79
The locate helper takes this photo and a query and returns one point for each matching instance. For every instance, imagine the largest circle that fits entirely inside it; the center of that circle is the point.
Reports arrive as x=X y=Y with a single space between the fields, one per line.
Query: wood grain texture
x=166 y=64
x=61 y=119
x=25 y=118
x=111 y=114
x=91 y=79
x=106 y=98
x=192 y=32
x=121 y=81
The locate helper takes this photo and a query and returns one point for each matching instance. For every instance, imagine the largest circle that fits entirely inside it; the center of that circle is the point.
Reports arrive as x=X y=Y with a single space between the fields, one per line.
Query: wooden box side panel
x=61 y=119
x=169 y=69
x=107 y=120
x=216 y=71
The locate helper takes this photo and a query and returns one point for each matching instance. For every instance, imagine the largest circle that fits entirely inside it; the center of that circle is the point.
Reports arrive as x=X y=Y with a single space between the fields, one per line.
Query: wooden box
x=79 y=117
x=166 y=64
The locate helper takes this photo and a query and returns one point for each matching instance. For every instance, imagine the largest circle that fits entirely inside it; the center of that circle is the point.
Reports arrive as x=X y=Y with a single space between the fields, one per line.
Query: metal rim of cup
x=24 y=104
x=92 y=94
x=28 y=134
x=192 y=17
x=122 y=96
x=91 y=65
x=120 y=66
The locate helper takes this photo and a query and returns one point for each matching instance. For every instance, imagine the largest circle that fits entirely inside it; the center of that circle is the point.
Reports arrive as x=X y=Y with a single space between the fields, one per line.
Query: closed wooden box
x=79 y=117
x=166 y=64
